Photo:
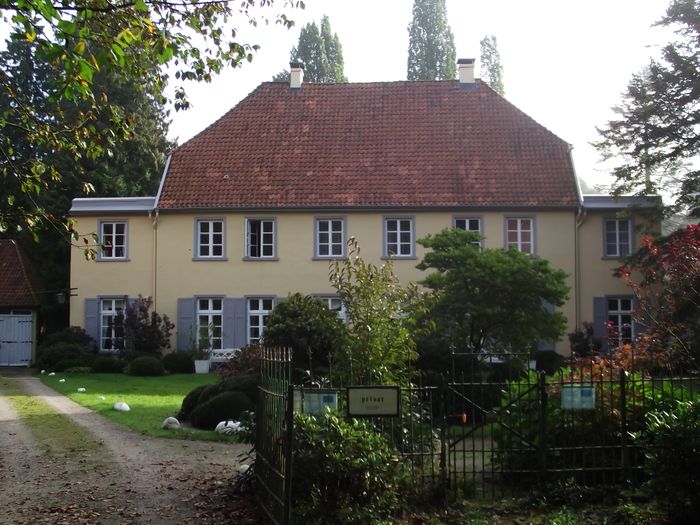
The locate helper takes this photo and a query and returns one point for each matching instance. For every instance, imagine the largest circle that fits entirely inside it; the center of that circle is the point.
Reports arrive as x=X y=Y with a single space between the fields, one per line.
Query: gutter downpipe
x=580 y=219
x=154 y=221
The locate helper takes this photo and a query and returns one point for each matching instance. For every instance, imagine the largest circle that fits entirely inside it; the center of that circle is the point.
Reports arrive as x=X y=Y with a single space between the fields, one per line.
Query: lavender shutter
x=600 y=316
x=92 y=321
x=546 y=346
x=229 y=322
x=185 y=322
x=240 y=336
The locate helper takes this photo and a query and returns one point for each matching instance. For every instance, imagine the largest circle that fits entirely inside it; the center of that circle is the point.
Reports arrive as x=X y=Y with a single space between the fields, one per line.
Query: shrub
x=344 y=472
x=674 y=461
x=79 y=370
x=209 y=392
x=227 y=405
x=304 y=324
x=190 y=402
x=247 y=361
x=72 y=334
x=146 y=366
x=145 y=332
x=246 y=383
x=178 y=363
x=106 y=364
x=60 y=356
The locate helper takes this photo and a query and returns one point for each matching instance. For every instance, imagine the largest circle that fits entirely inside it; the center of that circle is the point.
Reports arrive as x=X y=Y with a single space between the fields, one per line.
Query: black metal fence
x=494 y=426
x=272 y=450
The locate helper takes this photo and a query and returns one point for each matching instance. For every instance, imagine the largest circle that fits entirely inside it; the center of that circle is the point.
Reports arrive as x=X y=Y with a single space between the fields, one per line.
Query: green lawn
x=151 y=399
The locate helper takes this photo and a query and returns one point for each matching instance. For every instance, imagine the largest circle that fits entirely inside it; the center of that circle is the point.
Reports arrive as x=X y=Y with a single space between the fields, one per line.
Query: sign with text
x=578 y=397
x=373 y=401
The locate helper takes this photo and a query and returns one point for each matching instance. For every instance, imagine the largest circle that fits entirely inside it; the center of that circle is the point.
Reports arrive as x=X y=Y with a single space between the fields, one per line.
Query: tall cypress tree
x=431 y=46
x=321 y=53
x=491 y=69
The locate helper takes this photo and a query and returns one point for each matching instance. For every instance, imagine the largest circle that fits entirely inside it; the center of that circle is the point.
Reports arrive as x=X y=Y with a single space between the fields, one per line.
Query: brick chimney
x=465 y=67
x=296 y=75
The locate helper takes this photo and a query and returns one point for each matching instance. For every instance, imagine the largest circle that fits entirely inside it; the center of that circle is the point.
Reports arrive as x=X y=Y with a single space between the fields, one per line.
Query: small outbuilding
x=19 y=303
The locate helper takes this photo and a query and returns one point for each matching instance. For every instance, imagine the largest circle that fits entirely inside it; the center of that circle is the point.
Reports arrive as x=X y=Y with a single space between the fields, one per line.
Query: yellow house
x=255 y=206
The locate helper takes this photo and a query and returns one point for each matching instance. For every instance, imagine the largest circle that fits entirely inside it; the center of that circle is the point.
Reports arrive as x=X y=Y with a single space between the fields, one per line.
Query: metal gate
x=484 y=433
x=273 y=447
x=15 y=339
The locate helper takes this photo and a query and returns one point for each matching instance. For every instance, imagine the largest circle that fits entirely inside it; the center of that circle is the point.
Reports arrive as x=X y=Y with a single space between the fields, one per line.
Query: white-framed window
x=520 y=234
x=210 y=238
x=470 y=224
x=259 y=309
x=398 y=236
x=618 y=237
x=113 y=238
x=621 y=325
x=335 y=304
x=330 y=237
x=210 y=316
x=111 y=331
x=260 y=238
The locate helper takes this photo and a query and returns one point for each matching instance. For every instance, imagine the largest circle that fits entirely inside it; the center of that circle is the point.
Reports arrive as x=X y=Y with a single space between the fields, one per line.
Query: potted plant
x=200 y=350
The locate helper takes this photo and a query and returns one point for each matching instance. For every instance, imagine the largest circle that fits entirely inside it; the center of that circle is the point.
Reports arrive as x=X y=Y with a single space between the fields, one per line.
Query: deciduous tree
x=321 y=53
x=665 y=278
x=79 y=40
x=491 y=69
x=380 y=346
x=431 y=46
x=491 y=299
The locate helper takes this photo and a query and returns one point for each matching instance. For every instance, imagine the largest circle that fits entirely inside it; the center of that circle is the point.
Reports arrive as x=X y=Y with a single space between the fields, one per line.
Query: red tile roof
x=18 y=285
x=384 y=145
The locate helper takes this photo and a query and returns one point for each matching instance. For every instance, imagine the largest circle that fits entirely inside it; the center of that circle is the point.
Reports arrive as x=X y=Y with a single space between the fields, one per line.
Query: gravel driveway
x=118 y=477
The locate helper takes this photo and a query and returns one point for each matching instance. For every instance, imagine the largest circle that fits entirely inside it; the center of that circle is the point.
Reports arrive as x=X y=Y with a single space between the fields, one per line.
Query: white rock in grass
x=43 y=371
x=170 y=423
x=52 y=373
x=121 y=406
x=228 y=427
x=61 y=380
x=81 y=389
x=101 y=398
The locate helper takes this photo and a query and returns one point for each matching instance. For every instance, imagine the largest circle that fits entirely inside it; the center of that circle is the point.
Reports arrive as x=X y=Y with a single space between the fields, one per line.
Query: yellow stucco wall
x=161 y=261
x=596 y=270
x=112 y=278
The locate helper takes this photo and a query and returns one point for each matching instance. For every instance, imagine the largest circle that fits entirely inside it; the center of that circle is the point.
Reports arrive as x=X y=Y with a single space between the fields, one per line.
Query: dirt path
x=114 y=477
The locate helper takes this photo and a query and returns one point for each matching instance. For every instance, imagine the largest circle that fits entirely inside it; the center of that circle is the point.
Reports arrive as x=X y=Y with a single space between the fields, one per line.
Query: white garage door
x=15 y=340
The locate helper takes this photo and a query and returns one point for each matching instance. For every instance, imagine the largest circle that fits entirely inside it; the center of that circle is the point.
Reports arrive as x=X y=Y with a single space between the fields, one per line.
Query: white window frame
x=329 y=243
x=617 y=242
x=210 y=243
x=520 y=242
x=110 y=308
x=621 y=318
x=398 y=232
x=210 y=321
x=335 y=304
x=259 y=237
x=109 y=241
x=468 y=223
x=256 y=317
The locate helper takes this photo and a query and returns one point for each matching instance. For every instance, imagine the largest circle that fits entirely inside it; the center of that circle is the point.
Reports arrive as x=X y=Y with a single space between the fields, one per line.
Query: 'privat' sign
x=373 y=401
x=578 y=397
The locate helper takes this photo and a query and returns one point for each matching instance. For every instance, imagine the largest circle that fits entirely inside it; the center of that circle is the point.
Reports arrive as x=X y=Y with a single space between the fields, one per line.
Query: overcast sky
x=565 y=62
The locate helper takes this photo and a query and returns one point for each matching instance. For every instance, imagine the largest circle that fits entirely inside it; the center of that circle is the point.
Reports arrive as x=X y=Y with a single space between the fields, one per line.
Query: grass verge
x=55 y=434
x=151 y=399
